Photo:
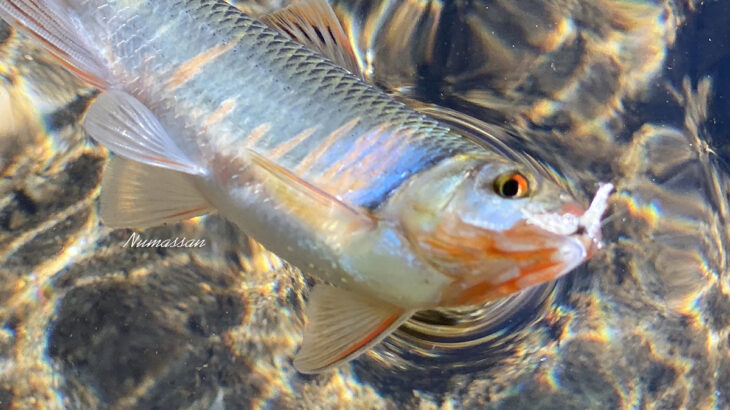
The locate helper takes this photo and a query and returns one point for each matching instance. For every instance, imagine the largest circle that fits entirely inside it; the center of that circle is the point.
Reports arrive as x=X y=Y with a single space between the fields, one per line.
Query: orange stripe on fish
x=369 y=338
x=391 y=150
x=225 y=108
x=331 y=139
x=362 y=163
x=257 y=133
x=287 y=146
x=162 y=160
x=227 y=162
x=356 y=150
x=309 y=202
x=345 y=174
x=188 y=69
x=187 y=212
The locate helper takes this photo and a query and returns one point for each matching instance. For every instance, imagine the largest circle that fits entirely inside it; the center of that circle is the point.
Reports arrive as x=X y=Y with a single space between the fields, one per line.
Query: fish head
x=496 y=227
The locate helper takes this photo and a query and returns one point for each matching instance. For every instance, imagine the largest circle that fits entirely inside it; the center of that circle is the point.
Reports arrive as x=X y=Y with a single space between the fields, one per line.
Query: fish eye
x=512 y=185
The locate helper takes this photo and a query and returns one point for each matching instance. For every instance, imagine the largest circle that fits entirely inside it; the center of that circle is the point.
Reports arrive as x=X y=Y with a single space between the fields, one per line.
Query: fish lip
x=585 y=239
x=591 y=244
x=586 y=234
x=590 y=236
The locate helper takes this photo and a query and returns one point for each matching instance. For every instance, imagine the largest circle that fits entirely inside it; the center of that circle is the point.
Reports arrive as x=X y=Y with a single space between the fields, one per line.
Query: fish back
x=222 y=80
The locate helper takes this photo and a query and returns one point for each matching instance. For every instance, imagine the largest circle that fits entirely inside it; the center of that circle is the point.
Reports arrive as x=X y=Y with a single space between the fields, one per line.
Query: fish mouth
x=575 y=235
x=562 y=255
x=516 y=269
x=585 y=233
x=533 y=252
x=573 y=221
x=499 y=264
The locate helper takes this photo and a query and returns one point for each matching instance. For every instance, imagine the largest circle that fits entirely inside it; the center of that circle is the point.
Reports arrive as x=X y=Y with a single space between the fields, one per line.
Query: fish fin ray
x=343 y=325
x=308 y=201
x=136 y=195
x=314 y=24
x=58 y=29
x=126 y=127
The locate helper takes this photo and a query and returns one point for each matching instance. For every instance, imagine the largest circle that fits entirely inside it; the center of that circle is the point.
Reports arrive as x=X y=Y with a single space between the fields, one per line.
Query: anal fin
x=135 y=195
x=314 y=24
x=343 y=325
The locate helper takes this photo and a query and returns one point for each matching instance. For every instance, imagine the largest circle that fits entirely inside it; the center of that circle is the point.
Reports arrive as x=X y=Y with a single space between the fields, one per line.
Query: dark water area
x=704 y=47
x=702 y=50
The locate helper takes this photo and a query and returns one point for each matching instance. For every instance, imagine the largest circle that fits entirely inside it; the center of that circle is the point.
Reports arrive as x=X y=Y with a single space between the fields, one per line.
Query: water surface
x=631 y=92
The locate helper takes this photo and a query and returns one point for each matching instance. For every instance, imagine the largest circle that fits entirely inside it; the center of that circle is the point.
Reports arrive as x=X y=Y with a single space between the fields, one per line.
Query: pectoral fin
x=128 y=128
x=343 y=325
x=309 y=203
x=135 y=195
x=314 y=24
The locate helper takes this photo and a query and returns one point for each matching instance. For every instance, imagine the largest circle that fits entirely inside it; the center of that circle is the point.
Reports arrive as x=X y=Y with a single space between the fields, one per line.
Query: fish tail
x=58 y=28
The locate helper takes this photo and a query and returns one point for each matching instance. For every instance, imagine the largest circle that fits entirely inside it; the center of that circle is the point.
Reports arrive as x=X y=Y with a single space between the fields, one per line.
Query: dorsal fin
x=314 y=24
x=58 y=29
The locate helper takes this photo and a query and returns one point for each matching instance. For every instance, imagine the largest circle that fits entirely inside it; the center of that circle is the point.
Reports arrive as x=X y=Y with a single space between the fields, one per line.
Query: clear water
x=632 y=92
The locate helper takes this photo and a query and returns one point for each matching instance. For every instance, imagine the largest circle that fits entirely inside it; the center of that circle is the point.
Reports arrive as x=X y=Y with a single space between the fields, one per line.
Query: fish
x=268 y=122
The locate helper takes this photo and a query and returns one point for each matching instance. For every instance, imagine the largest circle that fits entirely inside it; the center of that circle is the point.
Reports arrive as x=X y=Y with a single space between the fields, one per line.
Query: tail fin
x=59 y=30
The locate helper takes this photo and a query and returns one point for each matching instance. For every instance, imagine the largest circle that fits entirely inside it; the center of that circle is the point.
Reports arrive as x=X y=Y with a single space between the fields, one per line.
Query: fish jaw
x=489 y=264
x=498 y=264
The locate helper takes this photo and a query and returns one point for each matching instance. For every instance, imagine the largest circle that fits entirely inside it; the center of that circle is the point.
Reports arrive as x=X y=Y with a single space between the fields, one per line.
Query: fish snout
x=588 y=236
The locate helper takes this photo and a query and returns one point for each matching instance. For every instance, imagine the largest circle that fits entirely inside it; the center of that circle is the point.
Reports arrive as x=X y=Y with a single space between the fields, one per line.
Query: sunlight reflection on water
x=86 y=323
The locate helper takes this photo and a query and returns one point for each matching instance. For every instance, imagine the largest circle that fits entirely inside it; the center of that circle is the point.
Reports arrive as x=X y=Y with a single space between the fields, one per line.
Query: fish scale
x=277 y=79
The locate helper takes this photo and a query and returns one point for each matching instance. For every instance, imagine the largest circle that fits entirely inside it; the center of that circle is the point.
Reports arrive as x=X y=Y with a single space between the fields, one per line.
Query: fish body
x=214 y=110
x=235 y=86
